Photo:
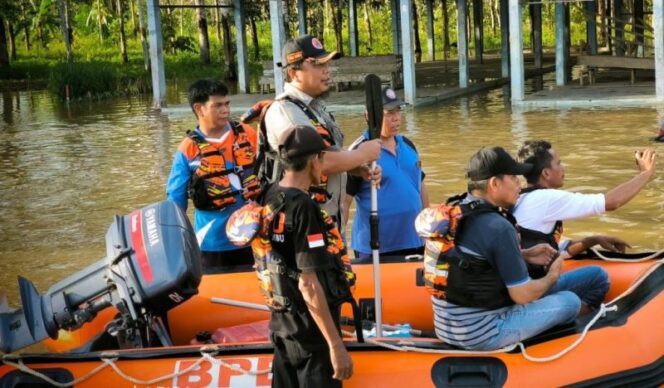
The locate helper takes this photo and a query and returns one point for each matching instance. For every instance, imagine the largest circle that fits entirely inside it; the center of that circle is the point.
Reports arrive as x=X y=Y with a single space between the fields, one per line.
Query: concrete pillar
x=408 y=60
x=241 y=39
x=156 y=55
x=536 y=33
x=619 y=28
x=658 y=27
x=517 y=78
x=396 y=23
x=478 y=26
x=431 y=45
x=639 y=21
x=504 y=39
x=591 y=25
x=561 y=59
x=462 y=43
x=302 y=17
x=278 y=41
x=352 y=28
x=568 y=32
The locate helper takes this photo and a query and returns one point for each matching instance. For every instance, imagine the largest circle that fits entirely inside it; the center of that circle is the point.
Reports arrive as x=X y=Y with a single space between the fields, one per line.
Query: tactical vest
x=449 y=273
x=210 y=187
x=257 y=225
x=530 y=238
x=267 y=161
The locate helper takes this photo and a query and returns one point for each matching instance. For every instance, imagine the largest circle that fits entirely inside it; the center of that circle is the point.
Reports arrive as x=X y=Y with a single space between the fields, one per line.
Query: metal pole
x=504 y=39
x=516 y=51
x=241 y=37
x=561 y=59
x=408 y=54
x=462 y=43
x=278 y=41
x=156 y=55
x=352 y=28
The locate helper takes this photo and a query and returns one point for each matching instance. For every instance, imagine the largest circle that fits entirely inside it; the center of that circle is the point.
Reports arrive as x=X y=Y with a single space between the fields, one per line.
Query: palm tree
x=99 y=13
x=203 y=39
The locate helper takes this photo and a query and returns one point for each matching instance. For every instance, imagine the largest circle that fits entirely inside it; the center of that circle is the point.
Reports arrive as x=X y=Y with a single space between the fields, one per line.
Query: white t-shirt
x=540 y=209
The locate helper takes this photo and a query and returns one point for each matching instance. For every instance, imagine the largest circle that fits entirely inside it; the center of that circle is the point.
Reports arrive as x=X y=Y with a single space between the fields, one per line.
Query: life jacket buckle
x=238 y=169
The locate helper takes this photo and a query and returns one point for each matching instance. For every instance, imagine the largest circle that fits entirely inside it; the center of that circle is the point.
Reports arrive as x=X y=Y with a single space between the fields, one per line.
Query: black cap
x=306 y=46
x=390 y=99
x=300 y=140
x=489 y=162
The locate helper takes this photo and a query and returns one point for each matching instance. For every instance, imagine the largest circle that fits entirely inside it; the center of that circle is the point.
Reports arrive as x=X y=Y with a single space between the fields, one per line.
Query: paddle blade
x=374 y=105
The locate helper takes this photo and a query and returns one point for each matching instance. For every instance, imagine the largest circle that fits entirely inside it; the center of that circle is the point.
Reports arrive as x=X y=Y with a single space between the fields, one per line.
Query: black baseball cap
x=300 y=140
x=390 y=99
x=306 y=46
x=490 y=162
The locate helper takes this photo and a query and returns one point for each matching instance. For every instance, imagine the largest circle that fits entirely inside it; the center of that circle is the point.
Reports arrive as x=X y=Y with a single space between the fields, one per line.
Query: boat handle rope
x=653 y=255
x=109 y=359
x=209 y=351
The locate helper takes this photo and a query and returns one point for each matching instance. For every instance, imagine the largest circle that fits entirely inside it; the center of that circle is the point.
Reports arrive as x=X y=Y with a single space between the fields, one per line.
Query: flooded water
x=66 y=171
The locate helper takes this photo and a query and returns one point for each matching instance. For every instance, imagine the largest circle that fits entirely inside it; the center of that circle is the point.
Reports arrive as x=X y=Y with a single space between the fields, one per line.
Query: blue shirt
x=210 y=225
x=399 y=199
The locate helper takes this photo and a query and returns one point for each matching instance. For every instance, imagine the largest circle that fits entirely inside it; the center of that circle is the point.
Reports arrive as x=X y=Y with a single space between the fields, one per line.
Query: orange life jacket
x=210 y=187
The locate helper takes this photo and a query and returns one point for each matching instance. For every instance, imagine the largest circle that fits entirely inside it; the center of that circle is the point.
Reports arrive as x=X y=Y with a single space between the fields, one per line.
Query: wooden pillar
x=591 y=25
x=396 y=23
x=431 y=45
x=517 y=78
x=658 y=27
x=619 y=28
x=156 y=55
x=278 y=41
x=478 y=26
x=536 y=33
x=241 y=42
x=561 y=59
x=462 y=43
x=567 y=32
x=639 y=21
x=504 y=39
x=352 y=28
x=302 y=17
x=409 y=88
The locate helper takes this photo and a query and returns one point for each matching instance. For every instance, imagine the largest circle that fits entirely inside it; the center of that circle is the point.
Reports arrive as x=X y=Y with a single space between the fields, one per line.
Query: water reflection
x=66 y=170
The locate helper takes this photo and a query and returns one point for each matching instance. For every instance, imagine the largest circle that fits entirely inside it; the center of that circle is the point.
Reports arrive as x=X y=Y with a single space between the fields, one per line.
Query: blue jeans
x=560 y=305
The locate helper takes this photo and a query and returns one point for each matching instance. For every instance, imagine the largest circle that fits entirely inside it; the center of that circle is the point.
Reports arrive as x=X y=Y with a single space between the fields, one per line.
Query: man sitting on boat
x=542 y=206
x=300 y=254
x=402 y=193
x=484 y=298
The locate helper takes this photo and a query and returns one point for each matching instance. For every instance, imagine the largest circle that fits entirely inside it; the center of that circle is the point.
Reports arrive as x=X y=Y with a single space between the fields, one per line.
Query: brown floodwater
x=66 y=171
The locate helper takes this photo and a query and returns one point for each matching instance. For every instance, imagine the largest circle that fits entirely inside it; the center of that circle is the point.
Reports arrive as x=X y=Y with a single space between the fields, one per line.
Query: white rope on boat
x=654 y=255
x=26 y=369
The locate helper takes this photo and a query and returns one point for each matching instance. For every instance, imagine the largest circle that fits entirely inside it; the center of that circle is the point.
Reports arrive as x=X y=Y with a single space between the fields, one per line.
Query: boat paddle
x=374 y=105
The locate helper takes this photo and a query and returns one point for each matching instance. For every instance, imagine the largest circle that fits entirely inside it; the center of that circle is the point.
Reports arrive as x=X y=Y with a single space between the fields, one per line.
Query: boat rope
x=110 y=358
x=654 y=255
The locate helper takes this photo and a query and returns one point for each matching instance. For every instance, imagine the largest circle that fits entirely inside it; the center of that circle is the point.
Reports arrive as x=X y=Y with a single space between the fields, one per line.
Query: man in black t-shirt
x=308 y=351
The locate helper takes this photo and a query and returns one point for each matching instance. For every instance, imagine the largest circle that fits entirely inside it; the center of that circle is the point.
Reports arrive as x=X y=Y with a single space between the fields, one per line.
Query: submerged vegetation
x=98 y=47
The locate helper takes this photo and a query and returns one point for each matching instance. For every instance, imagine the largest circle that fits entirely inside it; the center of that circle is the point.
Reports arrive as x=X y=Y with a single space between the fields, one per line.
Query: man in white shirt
x=542 y=206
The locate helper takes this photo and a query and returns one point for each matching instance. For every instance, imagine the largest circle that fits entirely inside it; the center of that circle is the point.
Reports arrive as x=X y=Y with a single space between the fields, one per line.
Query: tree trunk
x=286 y=9
x=144 y=39
x=134 y=27
x=182 y=18
x=229 y=66
x=203 y=40
x=446 y=32
x=26 y=29
x=12 y=40
x=217 y=20
x=493 y=7
x=254 y=39
x=601 y=10
x=123 y=39
x=336 y=19
x=65 y=30
x=416 y=27
x=367 y=20
x=101 y=33
x=4 y=55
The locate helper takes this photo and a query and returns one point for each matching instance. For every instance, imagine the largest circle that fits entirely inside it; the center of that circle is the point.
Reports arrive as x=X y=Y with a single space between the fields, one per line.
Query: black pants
x=216 y=262
x=294 y=367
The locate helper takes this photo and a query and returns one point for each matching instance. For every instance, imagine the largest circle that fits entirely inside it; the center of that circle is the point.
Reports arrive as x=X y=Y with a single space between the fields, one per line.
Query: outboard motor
x=152 y=264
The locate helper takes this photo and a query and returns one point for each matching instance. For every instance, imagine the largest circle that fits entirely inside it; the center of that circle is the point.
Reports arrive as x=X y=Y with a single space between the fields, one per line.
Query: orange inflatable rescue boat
x=124 y=295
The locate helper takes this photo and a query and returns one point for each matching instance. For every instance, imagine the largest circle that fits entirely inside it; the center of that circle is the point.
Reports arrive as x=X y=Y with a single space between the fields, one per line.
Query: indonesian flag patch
x=315 y=240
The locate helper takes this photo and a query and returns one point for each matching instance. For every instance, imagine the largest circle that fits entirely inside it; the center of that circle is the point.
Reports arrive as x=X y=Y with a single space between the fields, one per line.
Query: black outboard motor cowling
x=152 y=265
